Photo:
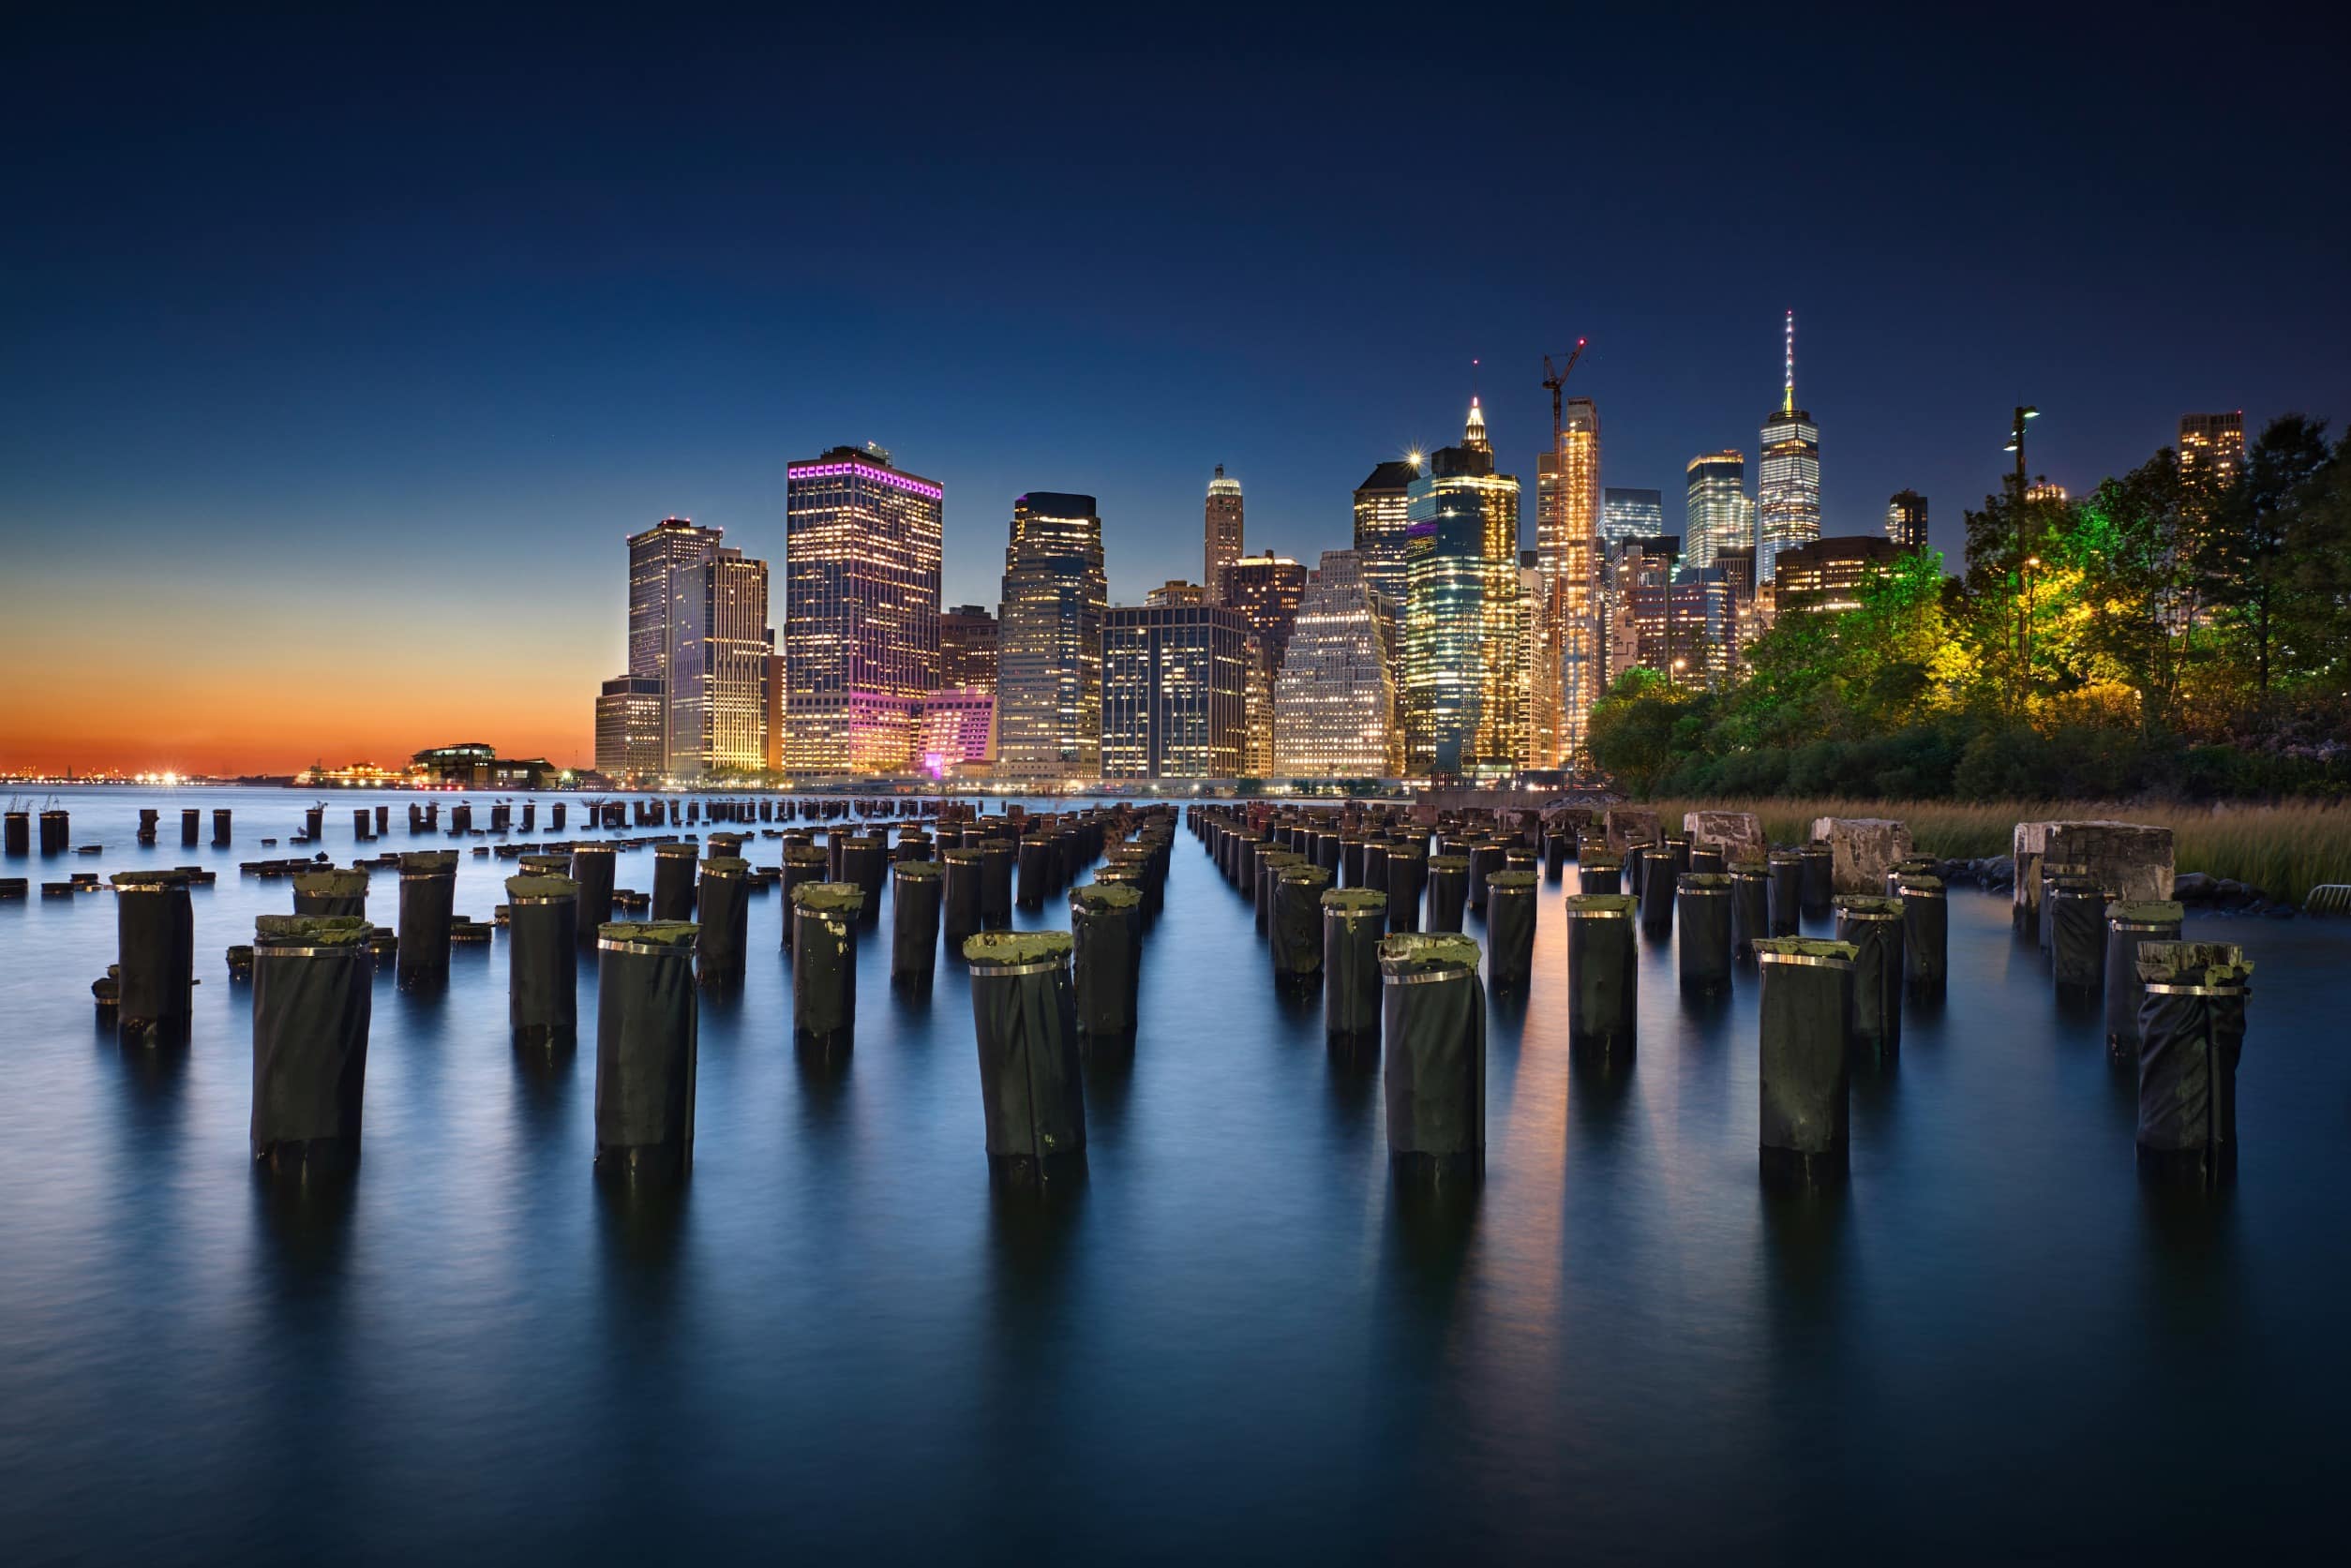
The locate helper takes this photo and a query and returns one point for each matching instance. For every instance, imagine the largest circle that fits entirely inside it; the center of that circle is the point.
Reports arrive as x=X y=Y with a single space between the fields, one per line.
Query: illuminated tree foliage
x=2168 y=633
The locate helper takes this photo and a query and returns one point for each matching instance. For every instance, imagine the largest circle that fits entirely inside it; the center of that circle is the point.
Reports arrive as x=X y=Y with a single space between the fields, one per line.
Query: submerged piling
x=330 y=892
x=1599 y=872
x=591 y=868
x=673 y=882
x=723 y=899
x=542 y=962
x=1407 y=883
x=1872 y=927
x=996 y=882
x=962 y=910
x=647 y=1018
x=2078 y=939
x=1433 y=1027
x=155 y=931
x=1703 y=910
x=1024 y=1010
x=1750 y=908
x=1926 y=932
x=311 y=1001
x=1295 y=932
x=428 y=893
x=1787 y=869
x=1806 y=1083
x=1448 y=890
x=824 y=965
x=1510 y=908
x=1106 y=961
x=1657 y=889
x=1603 y=980
x=915 y=887
x=2191 y=1033
x=1354 y=922
x=2129 y=928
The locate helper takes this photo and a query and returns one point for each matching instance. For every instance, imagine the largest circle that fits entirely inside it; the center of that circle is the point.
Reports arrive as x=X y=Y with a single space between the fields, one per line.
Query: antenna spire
x=1787 y=388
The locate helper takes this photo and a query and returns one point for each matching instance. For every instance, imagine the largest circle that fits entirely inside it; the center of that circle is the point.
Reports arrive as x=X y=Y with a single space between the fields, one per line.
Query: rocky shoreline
x=2201 y=894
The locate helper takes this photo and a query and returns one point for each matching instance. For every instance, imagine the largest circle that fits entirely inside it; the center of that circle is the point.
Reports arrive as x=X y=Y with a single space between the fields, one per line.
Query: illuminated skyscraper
x=1224 y=531
x=1334 y=702
x=1176 y=592
x=967 y=648
x=1266 y=591
x=661 y=562
x=1049 y=642
x=628 y=729
x=1444 y=669
x=1787 y=487
x=1174 y=690
x=1538 y=678
x=717 y=686
x=2213 y=443
x=860 y=635
x=1564 y=638
x=1905 y=519
x=1461 y=479
x=1717 y=515
x=1382 y=515
x=1630 y=515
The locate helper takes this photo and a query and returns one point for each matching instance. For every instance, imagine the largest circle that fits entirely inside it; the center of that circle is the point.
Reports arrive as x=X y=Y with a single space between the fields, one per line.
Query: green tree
x=2246 y=564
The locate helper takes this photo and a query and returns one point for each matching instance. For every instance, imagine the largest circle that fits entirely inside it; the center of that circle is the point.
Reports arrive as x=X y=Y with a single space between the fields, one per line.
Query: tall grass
x=2284 y=850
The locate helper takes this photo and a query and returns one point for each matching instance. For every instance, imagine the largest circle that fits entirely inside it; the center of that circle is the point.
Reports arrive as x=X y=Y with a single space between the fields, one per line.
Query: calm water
x=1236 y=1341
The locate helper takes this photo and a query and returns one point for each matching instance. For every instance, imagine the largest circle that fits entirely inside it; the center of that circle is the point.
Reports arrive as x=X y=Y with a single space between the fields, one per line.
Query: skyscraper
x=967 y=648
x=861 y=637
x=1905 y=519
x=1174 y=690
x=1716 y=514
x=661 y=561
x=1223 y=532
x=628 y=729
x=1787 y=487
x=1176 y=592
x=1460 y=481
x=2211 y=443
x=720 y=643
x=1049 y=642
x=1539 y=678
x=1266 y=591
x=1444 y=670
x=1334 y=701
x=1382 y=506
x=1567 y=537
x=1630 y=515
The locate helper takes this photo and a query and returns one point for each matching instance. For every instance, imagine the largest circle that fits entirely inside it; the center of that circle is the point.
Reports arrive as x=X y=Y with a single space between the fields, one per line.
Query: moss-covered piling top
x=1786 y=856
x=863 y=841
x=1919 y=881
x=1355 y=900
x=2193 y=964
x=1865 y=903
x=1704 y=882
x=1806 y=947
x=429 y=860
x=1007 y=950
x=806 y=855
x=1505 y=881
x=2149 y=912
x=546 y=865
x=1602 y=903
x=519 y=887
x=170 y=878
x=918 y=871
x=1098 y=894
x=691 y=851
x=310 y=931
x=1419 y=952
x=1601 y=862
x=650 y=933
x=1304 y=876
x=961 y=855
x=1449 y=862
x=725 y=865
x=844 y=898
x=1656 y=852
x=1749 y=868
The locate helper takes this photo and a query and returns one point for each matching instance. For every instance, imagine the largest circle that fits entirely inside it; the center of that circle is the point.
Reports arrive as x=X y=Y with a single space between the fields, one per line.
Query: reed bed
x=2284 y=850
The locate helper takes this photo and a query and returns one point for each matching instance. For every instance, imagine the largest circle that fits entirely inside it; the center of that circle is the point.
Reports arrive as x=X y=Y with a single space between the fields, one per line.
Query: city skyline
x=313 y=421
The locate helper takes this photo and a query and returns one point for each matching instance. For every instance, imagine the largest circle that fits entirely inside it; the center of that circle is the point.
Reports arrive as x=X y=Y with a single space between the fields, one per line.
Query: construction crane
x=1554 y=380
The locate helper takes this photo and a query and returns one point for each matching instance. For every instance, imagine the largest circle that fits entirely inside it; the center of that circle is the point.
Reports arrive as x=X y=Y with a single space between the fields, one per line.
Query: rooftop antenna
x=1788 y=387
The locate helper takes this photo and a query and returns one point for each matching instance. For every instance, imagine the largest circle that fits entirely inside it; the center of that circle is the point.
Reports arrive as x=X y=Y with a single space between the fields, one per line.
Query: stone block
x=1738 y=835
x=1627 y=825
x=2131 y=861
x=1861 y=849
